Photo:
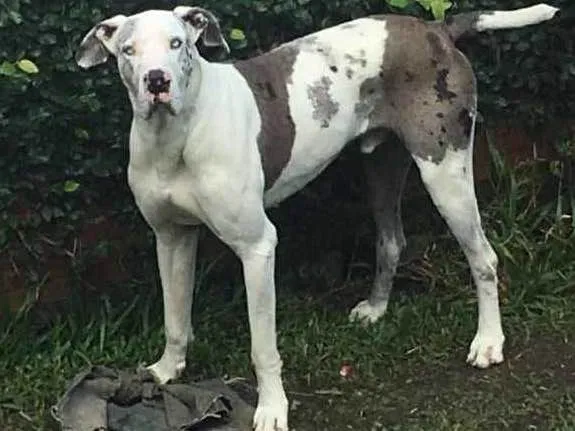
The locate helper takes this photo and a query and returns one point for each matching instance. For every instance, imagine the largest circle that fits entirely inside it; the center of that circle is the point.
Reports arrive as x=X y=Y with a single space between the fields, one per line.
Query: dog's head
x=156 y=53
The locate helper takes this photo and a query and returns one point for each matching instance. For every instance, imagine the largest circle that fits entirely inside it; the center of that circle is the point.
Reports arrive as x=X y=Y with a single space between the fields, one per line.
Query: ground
x=408 y=371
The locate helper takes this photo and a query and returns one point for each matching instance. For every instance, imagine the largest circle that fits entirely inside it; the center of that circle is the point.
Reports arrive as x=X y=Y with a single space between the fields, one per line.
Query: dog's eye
x=128 y=50
x=175 y=43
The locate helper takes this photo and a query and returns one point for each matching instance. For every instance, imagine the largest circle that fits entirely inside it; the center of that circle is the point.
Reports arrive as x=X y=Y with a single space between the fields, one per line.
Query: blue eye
x=175 y=43
x=128 y=50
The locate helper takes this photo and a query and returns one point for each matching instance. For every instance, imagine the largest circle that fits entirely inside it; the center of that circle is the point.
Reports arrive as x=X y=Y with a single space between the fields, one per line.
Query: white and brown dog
x=216 y=144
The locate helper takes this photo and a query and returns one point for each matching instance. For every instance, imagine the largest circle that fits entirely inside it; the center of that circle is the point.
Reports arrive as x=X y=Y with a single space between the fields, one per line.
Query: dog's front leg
x=176 y=247
x=258 y=266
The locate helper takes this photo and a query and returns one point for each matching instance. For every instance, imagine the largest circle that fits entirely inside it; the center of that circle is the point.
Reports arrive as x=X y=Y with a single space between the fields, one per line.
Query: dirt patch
x=533 y=389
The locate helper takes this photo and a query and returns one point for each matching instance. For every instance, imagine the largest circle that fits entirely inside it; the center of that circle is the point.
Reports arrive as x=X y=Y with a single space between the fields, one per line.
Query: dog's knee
x=263 y=244
x=484 y=263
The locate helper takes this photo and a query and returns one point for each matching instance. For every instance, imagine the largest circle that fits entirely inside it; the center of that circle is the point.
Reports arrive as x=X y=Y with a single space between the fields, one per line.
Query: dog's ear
x=204 y=26
x=99 y=43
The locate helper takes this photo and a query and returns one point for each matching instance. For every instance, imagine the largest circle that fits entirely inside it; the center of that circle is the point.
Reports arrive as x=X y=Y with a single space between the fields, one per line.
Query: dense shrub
x=65 y=128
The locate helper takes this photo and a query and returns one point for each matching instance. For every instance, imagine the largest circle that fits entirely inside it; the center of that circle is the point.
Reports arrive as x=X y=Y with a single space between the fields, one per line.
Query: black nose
x=157 y=81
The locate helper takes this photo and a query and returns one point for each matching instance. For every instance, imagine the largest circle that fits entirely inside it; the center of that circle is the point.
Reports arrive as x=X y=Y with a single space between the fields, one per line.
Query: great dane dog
x=216 y=144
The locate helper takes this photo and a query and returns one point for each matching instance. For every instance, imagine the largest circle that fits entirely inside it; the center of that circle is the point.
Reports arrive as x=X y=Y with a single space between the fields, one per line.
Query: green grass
x=409 y=369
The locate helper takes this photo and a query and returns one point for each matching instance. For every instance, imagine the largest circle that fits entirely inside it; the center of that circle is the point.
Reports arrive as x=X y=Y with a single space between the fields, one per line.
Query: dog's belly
x=303 y=168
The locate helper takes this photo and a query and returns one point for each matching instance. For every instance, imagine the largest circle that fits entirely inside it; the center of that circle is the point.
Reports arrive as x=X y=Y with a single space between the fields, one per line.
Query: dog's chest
x=164 y=198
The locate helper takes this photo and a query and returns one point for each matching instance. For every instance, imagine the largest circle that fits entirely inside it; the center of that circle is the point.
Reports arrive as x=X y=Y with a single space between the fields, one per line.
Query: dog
x=216 y=144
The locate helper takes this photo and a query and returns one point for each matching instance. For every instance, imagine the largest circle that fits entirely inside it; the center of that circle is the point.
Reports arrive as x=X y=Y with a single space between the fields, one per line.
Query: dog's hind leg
x=432 y=108
x=386 y=170
x=450 y=184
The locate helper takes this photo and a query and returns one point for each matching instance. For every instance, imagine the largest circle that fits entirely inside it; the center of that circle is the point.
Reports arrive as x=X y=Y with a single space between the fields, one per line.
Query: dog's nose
x=157 y=81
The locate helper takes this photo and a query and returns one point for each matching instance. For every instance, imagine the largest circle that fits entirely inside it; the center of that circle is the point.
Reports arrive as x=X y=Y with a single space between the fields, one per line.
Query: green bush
x=64 y=131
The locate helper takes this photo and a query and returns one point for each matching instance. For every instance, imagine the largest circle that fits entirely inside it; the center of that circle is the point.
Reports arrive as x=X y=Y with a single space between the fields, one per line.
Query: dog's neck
x=162 y=136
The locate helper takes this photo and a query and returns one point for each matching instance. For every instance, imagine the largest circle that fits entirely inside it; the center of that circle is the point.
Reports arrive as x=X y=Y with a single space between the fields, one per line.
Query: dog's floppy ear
x=98 y=44
x=204 y=25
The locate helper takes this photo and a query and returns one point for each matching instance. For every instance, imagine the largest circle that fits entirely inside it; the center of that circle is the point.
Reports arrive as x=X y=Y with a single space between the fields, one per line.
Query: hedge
x=63 y=131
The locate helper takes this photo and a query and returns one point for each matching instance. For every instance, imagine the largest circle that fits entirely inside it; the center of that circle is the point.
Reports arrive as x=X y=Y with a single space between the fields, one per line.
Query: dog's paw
x=486 y=350
x=164 y=372
x=271 y=417
x=368 y=313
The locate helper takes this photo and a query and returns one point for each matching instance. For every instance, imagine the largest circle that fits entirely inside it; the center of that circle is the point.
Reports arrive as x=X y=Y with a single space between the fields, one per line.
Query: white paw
x=164 y=371
x=271 y=417
x=368 y=313
x=486 y=350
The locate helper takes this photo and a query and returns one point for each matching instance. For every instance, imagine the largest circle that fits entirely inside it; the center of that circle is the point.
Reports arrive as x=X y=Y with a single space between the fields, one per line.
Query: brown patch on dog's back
x=267 y=76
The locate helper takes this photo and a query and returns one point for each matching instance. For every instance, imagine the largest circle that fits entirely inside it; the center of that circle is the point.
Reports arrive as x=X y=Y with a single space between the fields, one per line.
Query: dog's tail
x=472 y=22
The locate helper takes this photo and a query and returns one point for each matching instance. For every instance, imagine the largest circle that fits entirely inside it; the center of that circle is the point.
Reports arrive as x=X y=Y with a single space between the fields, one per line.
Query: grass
x=409 y=370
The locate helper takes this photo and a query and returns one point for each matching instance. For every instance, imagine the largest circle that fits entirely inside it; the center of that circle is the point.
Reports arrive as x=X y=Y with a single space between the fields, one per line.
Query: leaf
x=438 y=8
x=237 y=34
x=27 y=66
x=82 y=134
x=425 y=4
x=15 y=17
x=7 y=69
x=71 y=186
x=398 y=3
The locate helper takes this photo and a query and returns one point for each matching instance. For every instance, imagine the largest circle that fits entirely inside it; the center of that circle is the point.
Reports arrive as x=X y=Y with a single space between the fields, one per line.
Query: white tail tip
x=515 y=18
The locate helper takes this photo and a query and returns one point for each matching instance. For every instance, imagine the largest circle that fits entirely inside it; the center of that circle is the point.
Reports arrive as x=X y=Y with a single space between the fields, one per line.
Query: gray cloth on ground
x=106 y=399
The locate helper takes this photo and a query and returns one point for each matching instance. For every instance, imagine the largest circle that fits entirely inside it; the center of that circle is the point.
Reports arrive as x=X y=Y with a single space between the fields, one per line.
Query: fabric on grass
x=106 y=399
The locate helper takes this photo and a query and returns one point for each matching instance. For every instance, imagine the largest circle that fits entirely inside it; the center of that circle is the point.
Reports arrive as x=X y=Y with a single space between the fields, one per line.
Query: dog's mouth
x=162 y=100
x=162 y=97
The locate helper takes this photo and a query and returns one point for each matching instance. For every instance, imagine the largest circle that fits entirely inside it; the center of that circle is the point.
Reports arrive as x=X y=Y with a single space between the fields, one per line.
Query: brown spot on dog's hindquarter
x=324 y=107
x=267 y=76
x=441 y=87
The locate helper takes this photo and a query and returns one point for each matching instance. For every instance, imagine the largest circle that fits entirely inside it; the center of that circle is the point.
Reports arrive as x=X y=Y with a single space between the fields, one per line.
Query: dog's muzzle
x=157 y=83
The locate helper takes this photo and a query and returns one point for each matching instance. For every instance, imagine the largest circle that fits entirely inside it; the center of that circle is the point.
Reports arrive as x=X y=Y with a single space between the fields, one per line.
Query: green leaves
x=238 y=38
x=436 y=7
x=399 y=3
x=71 y=186
x=439 y=7
x=237 y=34
x=10 y=12
x=27 y=66
x=8 y=69
x=14 y=70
